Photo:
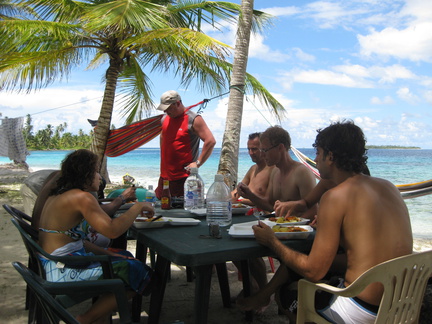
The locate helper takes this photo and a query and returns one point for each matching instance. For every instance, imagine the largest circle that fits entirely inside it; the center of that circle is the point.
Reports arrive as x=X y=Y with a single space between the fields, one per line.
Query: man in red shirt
x=182 y=130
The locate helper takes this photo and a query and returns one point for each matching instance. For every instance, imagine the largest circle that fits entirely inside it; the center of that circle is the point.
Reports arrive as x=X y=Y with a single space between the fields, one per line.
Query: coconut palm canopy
x=131 y=37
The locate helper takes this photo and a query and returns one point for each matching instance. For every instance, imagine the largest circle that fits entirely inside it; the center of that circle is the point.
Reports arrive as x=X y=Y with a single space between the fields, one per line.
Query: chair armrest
x=93 y=288
x=306 y=297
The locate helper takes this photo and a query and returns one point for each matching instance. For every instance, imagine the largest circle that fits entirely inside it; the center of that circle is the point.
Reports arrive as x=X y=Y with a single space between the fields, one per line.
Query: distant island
x=398 y=147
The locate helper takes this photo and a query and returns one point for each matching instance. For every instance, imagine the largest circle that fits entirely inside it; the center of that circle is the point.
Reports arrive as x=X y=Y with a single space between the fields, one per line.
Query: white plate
x=163 y=221
x=244 y=230
x=302 y=221
x=199 y=212
x=181 y=221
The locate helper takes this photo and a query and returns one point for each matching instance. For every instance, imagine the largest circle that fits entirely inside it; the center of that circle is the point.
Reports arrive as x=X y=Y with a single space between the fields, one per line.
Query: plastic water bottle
x=150 y=195
x=194 y=191
x=219 y=203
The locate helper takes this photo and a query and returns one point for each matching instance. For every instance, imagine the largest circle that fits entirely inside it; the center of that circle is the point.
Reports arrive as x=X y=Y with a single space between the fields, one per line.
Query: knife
x=156 y=218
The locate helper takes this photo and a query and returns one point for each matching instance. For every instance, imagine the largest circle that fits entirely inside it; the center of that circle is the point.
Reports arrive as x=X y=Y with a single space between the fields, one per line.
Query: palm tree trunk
x=228 y=163
x=102 y=129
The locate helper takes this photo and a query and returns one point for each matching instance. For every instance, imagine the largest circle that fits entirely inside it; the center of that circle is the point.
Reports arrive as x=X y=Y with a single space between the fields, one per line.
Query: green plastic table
x=183 y=245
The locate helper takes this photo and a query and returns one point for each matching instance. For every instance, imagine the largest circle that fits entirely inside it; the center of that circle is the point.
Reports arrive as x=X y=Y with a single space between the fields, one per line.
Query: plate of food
x=297 y=232
x=288 y=220
x=239 y=209
x=144 y=222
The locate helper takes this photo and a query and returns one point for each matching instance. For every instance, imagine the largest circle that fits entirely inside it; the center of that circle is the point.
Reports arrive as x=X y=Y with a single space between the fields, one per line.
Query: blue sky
x=367 y=60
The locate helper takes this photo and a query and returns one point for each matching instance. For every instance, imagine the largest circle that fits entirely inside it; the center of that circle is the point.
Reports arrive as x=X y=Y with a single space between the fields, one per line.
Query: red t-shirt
x=179 y=146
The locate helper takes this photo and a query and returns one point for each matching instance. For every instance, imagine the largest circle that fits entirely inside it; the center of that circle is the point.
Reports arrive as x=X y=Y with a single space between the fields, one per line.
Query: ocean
x=398 y=166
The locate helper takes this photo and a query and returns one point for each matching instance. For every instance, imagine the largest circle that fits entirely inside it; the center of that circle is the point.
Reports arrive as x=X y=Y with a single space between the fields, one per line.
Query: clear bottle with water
x=194 y=191
x=219 y=203
x=150 y=195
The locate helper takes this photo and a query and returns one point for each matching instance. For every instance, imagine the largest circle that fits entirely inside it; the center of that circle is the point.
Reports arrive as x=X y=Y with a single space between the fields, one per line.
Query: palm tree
x=130 y=36
x=228 y=163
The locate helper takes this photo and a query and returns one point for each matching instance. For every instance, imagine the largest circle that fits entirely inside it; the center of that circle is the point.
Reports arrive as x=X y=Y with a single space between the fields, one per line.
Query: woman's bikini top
x=76 y=233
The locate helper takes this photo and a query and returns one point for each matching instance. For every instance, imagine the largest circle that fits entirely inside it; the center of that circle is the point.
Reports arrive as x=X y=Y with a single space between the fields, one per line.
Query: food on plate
x=239 y=205
x=286 y=219
x=278 y=228
x=145 y=219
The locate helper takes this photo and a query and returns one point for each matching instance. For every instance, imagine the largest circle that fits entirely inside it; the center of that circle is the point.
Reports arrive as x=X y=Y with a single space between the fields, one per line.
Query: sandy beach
x=178 y=302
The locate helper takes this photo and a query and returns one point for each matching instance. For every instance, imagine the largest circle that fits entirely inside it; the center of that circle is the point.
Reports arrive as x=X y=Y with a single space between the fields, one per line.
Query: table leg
x=162 y=270
x=140 y=254
x=202 y=292
x=246 y=286
x=224 y=284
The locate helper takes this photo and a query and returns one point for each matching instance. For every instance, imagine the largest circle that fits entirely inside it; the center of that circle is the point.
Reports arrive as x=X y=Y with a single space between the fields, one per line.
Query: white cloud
x=324 y=77
x=387 y=100
x=55 y=106
x=406 y=95
x=258 y=49
x=428 y=96
x=413 y=43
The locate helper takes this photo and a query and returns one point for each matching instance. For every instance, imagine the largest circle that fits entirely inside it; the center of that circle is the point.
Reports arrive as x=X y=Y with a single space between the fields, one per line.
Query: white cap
x=219 y=177
x=168 y=98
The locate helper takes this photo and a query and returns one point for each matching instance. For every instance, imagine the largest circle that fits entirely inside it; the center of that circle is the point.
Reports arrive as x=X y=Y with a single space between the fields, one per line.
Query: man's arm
x=246 y=180
x=265 y=203
x=204 y=133
x=315 y=265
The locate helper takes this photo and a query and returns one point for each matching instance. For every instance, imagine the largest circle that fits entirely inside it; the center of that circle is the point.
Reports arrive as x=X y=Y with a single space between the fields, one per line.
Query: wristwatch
x=198 y=163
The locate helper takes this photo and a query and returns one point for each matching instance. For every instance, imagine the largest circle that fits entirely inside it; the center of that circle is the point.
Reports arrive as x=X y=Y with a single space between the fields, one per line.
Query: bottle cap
x=219 y=177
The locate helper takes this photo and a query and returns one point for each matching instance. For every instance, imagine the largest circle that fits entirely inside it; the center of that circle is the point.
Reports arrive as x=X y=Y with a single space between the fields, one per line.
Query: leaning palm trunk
x=228 y=163
x=101 y=132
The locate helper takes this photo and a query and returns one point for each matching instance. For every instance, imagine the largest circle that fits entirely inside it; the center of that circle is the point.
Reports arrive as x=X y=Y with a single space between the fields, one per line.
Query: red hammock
x=130 y=137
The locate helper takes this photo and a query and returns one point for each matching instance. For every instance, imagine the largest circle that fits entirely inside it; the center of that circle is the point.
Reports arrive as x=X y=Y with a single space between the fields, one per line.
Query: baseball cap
x=168 y=98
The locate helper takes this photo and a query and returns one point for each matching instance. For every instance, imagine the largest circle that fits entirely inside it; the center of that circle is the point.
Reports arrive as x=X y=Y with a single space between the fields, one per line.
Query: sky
x=368 y=60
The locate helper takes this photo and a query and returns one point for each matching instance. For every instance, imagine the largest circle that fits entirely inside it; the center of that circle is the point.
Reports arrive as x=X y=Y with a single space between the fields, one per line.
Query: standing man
x=290 y=180
x=258 y=175
x=365 y=215
x=182 y=130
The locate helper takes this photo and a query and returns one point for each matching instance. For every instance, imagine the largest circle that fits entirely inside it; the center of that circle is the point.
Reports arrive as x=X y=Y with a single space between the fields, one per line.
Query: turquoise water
x=397 y=166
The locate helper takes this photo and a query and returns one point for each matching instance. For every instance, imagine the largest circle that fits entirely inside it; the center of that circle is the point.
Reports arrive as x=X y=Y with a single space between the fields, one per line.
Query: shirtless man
x=258 y=175
x=365 y=215
x=257 y=178
x=290 y=180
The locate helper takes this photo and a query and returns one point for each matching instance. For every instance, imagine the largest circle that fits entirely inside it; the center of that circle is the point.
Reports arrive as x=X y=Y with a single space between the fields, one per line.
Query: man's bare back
x=373 y=213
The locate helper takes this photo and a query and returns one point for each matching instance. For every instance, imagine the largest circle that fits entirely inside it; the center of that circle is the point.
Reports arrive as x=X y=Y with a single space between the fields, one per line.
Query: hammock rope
x=132 y=136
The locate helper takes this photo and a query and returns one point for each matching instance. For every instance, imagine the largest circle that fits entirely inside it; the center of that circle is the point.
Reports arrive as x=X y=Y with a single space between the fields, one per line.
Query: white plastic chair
x=404 y=280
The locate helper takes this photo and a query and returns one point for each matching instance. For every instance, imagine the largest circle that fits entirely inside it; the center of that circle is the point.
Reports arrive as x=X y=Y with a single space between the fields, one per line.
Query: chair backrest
x=24 y=220
x=51 y=308
x=404 y=280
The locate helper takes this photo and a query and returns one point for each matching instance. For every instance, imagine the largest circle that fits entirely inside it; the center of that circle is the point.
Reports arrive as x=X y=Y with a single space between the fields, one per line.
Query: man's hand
x=264 y=234
x=129 y=194
x=290 y=208
x=244 y=191
x=147 y=209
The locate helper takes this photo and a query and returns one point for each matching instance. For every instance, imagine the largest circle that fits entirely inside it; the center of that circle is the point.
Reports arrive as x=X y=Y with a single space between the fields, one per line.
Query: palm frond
x=125 y=15
x=66 y=11
x=135 y=92
x=195 y=14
